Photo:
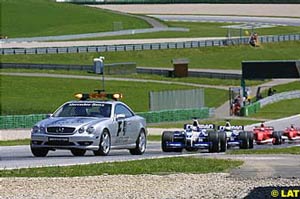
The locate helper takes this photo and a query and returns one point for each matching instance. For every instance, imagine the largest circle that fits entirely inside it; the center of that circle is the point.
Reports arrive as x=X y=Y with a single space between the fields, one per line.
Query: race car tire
x=104 y=144
x=223 y=141
x=141 y=142
x=215 y=146
x=179 y=150
x=191 y=149
x=277 y=138
x=78 y=152
x=251 y=139
x=167 y=136
x=39 y=152
x=244 y=140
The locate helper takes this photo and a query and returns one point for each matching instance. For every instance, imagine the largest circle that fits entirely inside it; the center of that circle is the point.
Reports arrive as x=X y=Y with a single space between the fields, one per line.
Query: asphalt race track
x=12 y=157
x=231 y=19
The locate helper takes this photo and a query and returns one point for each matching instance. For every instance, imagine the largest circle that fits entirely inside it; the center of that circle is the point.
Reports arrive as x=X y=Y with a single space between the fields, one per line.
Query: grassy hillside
x=209 y=57
x=28 y=95
x=45 y=17
x=205 y=29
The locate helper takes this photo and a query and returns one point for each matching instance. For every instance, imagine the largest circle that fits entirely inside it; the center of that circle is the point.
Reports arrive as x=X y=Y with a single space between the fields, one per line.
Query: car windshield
x=84 y=110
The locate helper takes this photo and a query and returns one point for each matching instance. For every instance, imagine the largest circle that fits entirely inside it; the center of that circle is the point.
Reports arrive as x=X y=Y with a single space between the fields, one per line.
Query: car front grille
x=60 y=130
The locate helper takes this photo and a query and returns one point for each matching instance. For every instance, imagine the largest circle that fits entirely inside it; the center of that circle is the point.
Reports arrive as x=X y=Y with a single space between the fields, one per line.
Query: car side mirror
x=120 y=116
x=49 y=115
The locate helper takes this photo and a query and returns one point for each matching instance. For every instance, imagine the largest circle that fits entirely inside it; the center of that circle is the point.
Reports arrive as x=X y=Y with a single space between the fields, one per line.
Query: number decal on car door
x=121 y=127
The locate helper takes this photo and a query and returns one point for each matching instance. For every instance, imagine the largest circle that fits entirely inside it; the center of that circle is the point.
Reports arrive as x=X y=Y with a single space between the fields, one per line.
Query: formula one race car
x=266 y=134
x=236 y=136
x=194 y=136
x=291 y=134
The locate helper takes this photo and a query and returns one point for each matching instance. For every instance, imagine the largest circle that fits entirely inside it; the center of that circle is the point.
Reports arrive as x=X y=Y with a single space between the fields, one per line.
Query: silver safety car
x=97 y=125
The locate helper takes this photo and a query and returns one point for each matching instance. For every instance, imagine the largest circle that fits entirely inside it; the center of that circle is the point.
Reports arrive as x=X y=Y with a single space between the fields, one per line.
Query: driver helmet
x=227 y=126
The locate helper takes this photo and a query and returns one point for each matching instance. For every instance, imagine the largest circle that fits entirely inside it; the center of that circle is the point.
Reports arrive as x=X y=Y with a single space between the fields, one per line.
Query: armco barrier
x=253 y=108
x=280 y=96
x=27 y=121
x=147 y=46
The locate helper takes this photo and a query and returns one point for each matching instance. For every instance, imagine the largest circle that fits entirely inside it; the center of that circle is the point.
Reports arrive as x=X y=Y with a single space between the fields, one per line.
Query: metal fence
x=147 y=46
x=27 y=121
x=176 y=99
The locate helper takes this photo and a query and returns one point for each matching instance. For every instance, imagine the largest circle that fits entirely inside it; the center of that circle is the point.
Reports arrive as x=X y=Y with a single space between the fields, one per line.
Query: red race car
x=291 y=134
x=266 y=134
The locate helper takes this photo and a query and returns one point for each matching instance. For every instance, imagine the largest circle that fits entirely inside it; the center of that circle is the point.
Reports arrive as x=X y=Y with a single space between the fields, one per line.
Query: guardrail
x=280 y=96
x=147 y=46
x=256 y=106
x=27 y=121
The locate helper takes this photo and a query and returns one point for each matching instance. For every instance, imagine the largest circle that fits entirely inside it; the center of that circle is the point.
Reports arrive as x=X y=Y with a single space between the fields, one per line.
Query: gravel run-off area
x=214 y=185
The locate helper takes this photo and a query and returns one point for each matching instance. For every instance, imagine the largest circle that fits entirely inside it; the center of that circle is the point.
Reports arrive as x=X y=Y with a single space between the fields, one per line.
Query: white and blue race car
x=236 y=136
x=194 y=136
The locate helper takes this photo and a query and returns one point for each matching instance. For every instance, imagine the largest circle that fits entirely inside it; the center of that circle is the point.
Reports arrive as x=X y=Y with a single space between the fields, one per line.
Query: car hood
x=70 y=121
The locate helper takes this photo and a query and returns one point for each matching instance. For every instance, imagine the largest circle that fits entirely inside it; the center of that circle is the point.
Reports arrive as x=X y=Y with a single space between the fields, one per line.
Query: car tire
x=223 y=141
x=104 y=144
x=39 y=152
x=277 y=138
x=251 y=139
x=215 y=145
x=244 y=140
x=167 y=136
x=141 y=142
x=78 y=152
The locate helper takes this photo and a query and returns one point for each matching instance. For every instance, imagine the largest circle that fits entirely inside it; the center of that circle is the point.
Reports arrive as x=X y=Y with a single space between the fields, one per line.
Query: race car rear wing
x=200 y=126
x=240 y=127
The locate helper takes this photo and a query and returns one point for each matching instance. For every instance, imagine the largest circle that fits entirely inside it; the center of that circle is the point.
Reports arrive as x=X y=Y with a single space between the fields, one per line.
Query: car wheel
x=140 y=144
x=223 y=141
x=167 y=136
x=215 y=145
x=104 y=145
x=244 y=140
x=277 y=139
x=78 y=152
x=251 y=138
x=39 y=152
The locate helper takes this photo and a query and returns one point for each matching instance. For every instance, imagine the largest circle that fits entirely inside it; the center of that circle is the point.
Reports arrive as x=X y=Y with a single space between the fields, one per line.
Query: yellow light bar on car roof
x=101 y=95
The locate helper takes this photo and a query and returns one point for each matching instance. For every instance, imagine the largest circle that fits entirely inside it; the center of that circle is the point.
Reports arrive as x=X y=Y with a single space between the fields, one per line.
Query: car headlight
x=38 y=129
x=90 y=130
x=35 y=129
x=81 y=130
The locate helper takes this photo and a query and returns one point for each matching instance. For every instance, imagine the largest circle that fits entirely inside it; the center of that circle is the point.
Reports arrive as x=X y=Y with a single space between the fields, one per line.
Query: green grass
x=287 y=87
x=289 y=150
x=28 y=95
x=217 y=122
x=279 y=109
x=194 y=80
x=162 y=166
x=204 y=29
x=45 y=17
x=207 y=58
x=14 y=142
